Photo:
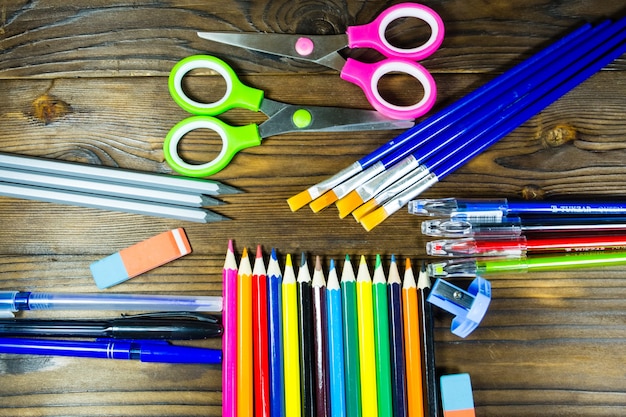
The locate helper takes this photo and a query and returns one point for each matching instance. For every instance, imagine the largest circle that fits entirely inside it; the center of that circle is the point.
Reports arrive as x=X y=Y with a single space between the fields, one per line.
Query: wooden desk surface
x=87 y=81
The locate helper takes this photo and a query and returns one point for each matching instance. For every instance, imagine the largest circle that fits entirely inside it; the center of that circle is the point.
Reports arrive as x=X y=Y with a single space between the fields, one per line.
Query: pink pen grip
x=372 y=35
x=367 y=77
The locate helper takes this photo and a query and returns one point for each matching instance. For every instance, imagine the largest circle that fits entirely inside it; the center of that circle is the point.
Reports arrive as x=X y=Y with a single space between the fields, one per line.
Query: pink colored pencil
x=229 y=337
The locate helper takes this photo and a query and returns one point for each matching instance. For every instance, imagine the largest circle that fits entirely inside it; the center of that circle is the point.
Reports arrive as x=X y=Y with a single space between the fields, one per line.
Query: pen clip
x=174 y=315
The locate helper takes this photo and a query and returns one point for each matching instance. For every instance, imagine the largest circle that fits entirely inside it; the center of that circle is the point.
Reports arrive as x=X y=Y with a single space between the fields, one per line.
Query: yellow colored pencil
x=412 y=347
x=367 y=348
x=291 y=348
x=244 y=337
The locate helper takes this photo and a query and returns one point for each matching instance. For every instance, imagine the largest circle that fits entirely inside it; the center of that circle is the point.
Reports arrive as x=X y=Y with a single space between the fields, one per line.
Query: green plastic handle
x=237 y=94
x=234 y=139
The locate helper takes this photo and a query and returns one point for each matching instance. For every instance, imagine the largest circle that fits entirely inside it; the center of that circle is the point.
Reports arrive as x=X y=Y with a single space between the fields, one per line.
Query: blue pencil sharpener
x=469 y=306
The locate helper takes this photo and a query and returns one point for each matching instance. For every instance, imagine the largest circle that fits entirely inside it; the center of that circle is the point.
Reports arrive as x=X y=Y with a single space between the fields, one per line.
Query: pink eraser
x=140 y=258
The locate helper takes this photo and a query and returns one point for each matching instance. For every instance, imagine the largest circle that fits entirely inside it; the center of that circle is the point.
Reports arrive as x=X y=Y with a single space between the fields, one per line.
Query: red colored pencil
x=261 y=357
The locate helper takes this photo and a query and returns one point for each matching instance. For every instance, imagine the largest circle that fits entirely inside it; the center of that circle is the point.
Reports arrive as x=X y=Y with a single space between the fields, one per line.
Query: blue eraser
x=456 y=394
x=109 y=271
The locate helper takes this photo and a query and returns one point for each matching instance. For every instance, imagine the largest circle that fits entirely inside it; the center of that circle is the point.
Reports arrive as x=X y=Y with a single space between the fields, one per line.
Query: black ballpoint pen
x=155 y=326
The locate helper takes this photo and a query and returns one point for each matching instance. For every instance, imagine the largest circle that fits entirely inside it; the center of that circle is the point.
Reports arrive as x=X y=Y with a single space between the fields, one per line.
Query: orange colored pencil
x=412 y=344
x=244 y=338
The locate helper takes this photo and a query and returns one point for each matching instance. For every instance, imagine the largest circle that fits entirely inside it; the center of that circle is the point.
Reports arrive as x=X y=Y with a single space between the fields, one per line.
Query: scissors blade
x=330 y=119
x=324 y=47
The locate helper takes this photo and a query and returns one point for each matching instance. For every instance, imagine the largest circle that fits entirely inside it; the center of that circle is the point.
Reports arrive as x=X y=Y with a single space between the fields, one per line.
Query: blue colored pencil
x=396 y=336
x=335 y=344
x=275 y=337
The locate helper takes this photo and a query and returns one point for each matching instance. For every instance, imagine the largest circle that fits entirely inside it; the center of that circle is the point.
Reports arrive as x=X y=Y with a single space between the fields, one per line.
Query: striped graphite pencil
x=414 y=386
x=335 y=344
x=305 y=328
x=367 y=350
x=260 y=345
x=290 y=342
x=351 y=340
x=320 y=341
x=275 y=337
x=245 y=396
x=381 y=337
x=229 y=338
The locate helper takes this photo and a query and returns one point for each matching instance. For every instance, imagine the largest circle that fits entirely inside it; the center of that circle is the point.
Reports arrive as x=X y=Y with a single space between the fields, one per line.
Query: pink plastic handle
x=367 y=76
x=372 y=35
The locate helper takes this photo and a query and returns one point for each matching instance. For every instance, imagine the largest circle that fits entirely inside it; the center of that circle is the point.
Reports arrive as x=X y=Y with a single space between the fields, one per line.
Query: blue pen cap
x=469 y=306
x=7 y=304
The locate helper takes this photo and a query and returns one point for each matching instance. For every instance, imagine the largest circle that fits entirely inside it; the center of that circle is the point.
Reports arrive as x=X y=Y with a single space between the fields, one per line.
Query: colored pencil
x=320 y=341
x=260 y=363
x=244 y=337
x=229 y=338
x=305 y=327
x=335 y=344
x=290 y=342
x=381 y=337
x=396 y=335
x=351 y=340
x=367 y=354
x=275 y=337
x=412 y=344
x=431 y=400
x=448 y=115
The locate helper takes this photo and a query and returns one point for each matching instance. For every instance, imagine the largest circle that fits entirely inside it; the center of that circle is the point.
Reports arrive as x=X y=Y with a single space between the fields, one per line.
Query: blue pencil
x=447 y=115
x=597 y=52
x=396 y=336
x=335 y=344
x=275 y=337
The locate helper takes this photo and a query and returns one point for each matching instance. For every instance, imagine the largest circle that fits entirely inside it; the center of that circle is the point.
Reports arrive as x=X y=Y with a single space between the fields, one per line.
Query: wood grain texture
x=87 y=82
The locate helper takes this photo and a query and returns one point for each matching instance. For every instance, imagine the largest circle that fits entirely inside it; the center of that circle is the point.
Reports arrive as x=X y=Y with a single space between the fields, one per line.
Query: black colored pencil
x=305 y=327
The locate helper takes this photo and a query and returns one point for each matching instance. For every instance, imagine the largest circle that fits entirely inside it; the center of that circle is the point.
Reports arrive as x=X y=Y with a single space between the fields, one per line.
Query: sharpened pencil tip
x=259 y=252
x=378 y=261
x=323 y=201
x=288 y=261
x=318 y=263
x=303 y=260
x=273 y=255
x=231 y=247
x=299 y=200
x=244 y=253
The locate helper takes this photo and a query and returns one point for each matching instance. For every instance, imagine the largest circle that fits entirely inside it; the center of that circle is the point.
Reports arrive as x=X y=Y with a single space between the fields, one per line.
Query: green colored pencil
x=351 y=340
x=381 y=337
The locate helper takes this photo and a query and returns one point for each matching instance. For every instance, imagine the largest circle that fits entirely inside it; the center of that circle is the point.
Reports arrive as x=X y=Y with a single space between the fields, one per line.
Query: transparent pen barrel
x=128 y=302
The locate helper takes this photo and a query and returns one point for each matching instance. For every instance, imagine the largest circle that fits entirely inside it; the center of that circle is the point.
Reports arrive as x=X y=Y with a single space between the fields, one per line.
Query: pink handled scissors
x=323 y=50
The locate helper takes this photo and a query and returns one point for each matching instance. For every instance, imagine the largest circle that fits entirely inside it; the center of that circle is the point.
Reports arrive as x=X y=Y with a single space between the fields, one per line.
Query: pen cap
x=7 y=304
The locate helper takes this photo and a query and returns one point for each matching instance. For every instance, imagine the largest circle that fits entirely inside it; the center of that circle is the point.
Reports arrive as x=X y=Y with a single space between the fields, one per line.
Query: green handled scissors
x=282 y=117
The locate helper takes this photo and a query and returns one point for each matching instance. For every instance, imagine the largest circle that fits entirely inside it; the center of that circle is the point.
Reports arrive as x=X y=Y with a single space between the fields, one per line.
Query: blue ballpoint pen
x=495 y=209
x=144 y=350
x=478 y=139
x=447 y=115
x=12 y=301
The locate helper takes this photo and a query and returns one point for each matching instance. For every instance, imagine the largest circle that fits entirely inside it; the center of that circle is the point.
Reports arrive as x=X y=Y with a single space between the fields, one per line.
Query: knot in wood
x=533 y=192
x=48 y=108
x=559 y=135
